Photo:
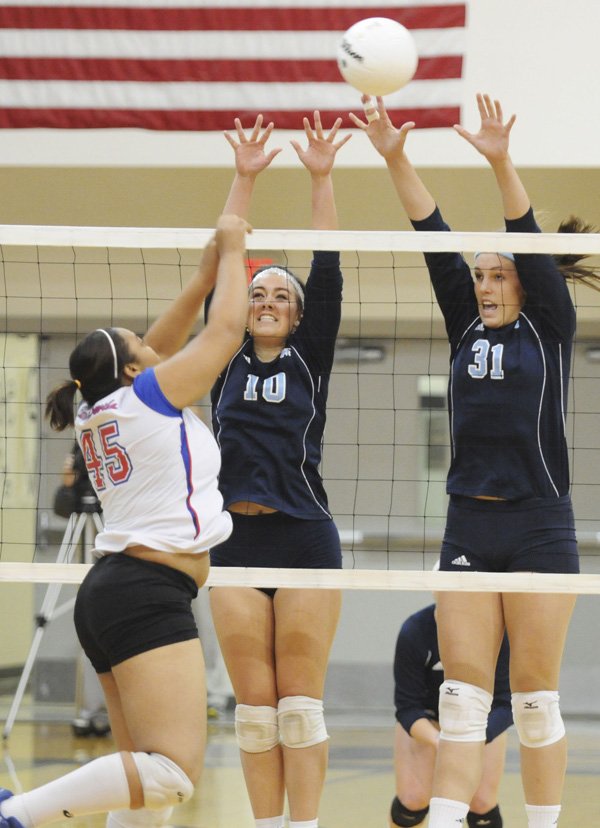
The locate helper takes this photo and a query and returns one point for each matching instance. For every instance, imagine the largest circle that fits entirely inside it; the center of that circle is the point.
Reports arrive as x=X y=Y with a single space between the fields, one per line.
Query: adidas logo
x=461 y=561
x=483 y=822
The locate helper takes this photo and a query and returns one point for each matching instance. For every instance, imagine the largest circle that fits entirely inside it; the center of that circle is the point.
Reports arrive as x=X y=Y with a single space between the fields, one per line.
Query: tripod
x=82 y=526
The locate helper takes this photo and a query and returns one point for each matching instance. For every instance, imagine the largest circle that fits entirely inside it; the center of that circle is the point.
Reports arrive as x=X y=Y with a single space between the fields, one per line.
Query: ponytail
x=568 y=263
x=59 y=405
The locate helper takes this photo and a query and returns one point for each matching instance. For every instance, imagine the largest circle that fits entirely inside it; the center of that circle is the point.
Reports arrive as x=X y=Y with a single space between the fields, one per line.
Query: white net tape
x=344 y=240
x=364 y=579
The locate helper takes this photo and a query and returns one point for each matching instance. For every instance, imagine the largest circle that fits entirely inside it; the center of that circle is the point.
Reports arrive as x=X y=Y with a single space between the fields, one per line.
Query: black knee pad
x=404 y=817
x=493 y=819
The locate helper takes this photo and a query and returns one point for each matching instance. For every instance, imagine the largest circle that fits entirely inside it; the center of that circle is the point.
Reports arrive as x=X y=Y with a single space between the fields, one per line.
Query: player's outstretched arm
x=188 y=375
x=389 y=143
x=170 y=332
x=492 y=141
x=251 y=159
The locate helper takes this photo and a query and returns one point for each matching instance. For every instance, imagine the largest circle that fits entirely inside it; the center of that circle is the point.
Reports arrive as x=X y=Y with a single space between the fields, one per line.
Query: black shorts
x=127 y=606
x=536 y=535
x=280 y=541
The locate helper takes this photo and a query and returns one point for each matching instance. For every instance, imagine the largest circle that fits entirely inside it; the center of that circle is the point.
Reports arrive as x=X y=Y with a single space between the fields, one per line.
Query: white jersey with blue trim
x=154 y=469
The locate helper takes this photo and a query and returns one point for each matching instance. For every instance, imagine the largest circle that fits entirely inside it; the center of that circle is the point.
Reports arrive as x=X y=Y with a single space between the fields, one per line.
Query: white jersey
x=154 y=468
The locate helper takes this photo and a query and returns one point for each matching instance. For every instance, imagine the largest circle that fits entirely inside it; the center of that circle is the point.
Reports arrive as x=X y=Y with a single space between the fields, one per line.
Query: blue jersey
x=418 y=674
x=508 y=386
x=269 y=417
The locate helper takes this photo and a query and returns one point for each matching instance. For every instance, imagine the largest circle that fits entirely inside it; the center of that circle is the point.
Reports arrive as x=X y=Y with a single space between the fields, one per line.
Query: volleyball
x=377 y=56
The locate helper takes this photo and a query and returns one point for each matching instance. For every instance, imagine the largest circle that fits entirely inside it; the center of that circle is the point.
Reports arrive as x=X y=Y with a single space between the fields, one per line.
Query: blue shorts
x=278 y=540
x=126 y=606
x=536 y=535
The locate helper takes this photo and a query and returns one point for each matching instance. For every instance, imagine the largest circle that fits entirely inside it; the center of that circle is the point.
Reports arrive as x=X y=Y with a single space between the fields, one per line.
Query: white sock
x=126 y=818
x=446 y=813
x=542 y=816
x=100 y=785
x=270 y=822
x=309 y=823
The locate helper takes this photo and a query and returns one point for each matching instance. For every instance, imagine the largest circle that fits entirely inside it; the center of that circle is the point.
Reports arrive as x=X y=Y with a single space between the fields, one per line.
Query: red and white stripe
x=188 y=65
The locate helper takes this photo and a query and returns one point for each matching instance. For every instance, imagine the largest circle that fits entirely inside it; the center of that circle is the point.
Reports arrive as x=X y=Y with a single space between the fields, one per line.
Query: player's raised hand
x=319 y=155
x=250 y=155
x=231 y=233
x=492 y=140
x=387 y=139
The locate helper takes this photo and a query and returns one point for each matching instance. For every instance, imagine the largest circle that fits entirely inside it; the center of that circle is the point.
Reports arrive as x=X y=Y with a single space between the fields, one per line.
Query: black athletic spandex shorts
x=127 y=606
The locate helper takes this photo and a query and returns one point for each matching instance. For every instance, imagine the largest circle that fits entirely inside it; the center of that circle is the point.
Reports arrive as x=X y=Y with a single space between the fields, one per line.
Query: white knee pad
x=141 y=817
x=537 y=718
x=163 y=782
x=301 y=721
x=256 y=728
x=464 y=710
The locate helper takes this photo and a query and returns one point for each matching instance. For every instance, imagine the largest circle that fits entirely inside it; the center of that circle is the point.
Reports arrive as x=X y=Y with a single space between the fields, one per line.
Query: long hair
x=96 y=370
x=568 y=263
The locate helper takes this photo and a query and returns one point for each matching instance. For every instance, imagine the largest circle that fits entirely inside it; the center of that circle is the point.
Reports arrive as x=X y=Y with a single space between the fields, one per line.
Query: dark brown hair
x=92 y=368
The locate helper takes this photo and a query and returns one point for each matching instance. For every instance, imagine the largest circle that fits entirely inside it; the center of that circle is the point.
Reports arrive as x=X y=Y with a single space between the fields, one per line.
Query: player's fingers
x=318 y=123
x=267 y=131
x=371 y=112
x=256 y=128
x=308 y=129
x=272 y=154
x=231 y=140
x=342 y=141
x=334 y=129
x=407 y=126
x=356 y=121
x=489 y=107
x=481 y=106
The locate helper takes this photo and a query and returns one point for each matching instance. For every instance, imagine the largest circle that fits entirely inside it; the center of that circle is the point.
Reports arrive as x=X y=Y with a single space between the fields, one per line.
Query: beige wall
x=194 y=197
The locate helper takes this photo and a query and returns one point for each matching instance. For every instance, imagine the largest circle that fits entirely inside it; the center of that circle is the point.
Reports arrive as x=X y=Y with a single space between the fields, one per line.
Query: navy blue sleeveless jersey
x=507 y=391
x=418 y=674
x=268 y=418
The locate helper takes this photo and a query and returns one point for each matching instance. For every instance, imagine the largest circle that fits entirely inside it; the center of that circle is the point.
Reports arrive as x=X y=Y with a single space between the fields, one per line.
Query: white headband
x=112 y=347
x=281 y=272
x=498 y=253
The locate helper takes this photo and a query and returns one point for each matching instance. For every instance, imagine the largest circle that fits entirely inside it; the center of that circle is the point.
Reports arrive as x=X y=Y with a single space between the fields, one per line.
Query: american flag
x=194 y=65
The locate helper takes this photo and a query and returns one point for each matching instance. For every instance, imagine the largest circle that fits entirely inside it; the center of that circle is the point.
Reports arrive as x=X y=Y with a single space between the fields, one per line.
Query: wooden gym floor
x=359 y=785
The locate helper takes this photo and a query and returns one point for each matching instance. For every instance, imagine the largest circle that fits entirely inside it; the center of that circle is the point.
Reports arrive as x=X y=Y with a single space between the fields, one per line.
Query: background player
x=161 y=515
x=269 y=416
x=418 y=674
x=511 y=328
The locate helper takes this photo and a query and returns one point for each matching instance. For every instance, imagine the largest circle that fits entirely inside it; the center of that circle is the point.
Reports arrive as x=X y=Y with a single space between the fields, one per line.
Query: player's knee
x=163 y=782
x=126 y=818
x=404 y=817
x=256 y=728
x=537 y=718
x=493 y=819
x=463 y=711
x=301 y=721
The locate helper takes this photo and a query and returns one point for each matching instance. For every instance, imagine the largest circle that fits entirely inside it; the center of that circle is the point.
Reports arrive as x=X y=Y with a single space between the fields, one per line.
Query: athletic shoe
x=8 y=822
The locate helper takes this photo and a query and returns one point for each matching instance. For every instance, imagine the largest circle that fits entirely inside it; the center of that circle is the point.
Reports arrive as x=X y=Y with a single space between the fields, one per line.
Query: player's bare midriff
x=487 y=497
x=196 y=565
x=248 y=507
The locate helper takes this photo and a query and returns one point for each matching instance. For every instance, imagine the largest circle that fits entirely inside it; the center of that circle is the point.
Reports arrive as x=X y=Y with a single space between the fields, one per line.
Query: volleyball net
x=386 y=448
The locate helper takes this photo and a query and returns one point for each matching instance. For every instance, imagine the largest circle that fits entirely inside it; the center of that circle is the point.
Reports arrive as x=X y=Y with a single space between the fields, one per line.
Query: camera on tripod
x=89 y=504
x=77 y=496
